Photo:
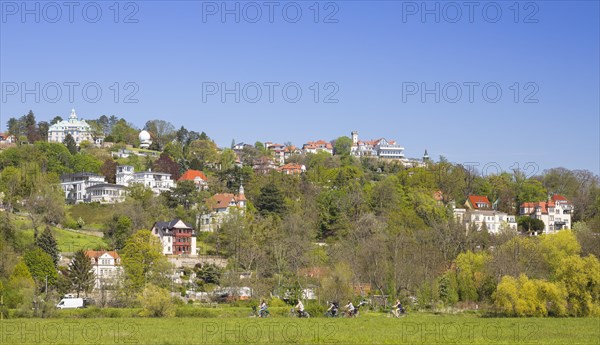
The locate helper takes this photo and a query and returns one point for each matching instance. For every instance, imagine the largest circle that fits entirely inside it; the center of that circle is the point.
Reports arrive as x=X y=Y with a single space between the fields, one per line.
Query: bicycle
x=299 y=314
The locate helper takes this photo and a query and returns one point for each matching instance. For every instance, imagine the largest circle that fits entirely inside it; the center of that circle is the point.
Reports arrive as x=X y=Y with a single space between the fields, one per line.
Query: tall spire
x=73 y=114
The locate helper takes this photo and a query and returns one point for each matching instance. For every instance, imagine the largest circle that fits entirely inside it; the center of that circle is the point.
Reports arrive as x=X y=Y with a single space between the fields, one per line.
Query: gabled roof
x=478 y=199
x=98 y=253
x=170 y=224
x=191 y=175
x=318 y=144
x=223 y=200
x=558 y=197
x=543 y=205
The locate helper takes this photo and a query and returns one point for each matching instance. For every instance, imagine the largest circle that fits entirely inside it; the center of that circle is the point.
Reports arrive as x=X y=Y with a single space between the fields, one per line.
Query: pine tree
x=70 y=143
x=48 y=244
x=80 y=273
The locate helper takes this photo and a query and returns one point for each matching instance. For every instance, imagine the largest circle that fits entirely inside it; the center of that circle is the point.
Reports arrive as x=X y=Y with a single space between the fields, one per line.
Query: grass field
x=68 y=241
x=95 y=216
x=370 y=328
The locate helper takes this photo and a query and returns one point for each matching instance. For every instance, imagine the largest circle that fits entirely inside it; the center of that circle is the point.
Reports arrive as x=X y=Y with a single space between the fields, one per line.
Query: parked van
x=70 y=303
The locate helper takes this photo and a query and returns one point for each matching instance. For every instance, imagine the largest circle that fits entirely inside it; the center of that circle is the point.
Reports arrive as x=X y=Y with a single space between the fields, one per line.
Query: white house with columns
x=79 y=130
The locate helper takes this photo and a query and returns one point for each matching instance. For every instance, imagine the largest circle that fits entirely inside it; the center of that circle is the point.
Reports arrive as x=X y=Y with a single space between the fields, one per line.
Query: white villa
x=106 y=266
x=381 y=148
x=79 y=130
x=157 y=181
x=555 y=213
x=107 y=193
x=494 y=220
x=75 y=186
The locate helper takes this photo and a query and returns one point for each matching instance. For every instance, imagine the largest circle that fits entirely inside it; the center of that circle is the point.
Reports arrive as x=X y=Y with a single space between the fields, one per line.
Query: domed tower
x=145 y=139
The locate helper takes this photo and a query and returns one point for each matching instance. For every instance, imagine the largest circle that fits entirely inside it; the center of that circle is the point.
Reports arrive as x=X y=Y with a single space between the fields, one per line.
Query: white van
x=69 y=303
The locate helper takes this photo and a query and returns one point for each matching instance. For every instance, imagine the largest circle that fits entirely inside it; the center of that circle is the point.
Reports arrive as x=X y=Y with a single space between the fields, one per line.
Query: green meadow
x=369 y=328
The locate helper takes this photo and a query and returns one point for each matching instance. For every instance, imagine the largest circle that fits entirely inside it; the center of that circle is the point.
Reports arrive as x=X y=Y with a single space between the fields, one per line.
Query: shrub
x=156 y=302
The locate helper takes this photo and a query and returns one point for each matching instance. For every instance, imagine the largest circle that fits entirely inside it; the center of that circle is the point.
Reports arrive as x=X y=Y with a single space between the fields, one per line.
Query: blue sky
x=372 y=54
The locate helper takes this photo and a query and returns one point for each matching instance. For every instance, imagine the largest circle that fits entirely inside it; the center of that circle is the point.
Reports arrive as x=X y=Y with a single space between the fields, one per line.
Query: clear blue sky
x=369 y=53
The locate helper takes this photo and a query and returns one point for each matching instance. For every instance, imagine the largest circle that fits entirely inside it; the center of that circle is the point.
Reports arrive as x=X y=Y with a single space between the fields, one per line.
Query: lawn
x=94 y=215
x=369 y=328
x=68 y=241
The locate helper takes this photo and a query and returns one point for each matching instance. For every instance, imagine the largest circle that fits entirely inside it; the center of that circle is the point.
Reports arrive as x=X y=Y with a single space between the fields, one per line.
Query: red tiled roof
x=533 y=205
x=99 y=253
x=475 y=199
x=222 y=200
x=318 y=144
x=191 y=175
x=557 y=197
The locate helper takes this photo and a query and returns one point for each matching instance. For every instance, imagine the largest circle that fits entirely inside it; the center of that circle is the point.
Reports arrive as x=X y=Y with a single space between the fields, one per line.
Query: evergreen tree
x=70 y=143
x=270 y=200
x=48 y=244
x=80 y=273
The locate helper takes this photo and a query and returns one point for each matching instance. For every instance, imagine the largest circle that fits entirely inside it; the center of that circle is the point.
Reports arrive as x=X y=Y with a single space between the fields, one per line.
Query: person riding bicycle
x=300 y=308
x=262 y=311
x=349 y=308
x=333 y=308
x=397 y=308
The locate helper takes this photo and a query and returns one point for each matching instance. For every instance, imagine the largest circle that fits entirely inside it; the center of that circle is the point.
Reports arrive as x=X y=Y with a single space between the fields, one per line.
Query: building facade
x=75 y=186
x=157 y=181
x=220 y=207
x=176 y=237
x=79 y=130
x=555 y=213
x=106 y=266
x=107 y=193
x=380 y=148
x=494 y=221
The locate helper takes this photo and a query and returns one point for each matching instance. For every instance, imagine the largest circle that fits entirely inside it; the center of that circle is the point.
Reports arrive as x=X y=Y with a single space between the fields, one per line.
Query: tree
x=270 y=200
x=143 y=260
x=30 y=127
x=70 y=144
x=109 y=170
x=20 y=287
x=124 y=132
x=120 y=228
x=80 y=272
x=581 y=277
x=162 y=131
x=48 y=244
x=41 y=266
x=166 y=164
x=227 y=159
x=203 y=150
x=529 y=224
x=43 y=128
x=531 y=191
x=85 y=162
x=342 y=146
x=55 y=120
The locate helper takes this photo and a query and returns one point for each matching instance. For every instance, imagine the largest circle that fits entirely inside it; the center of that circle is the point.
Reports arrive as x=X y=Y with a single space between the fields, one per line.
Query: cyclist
x=397 y=308
x=262 y=311
x=300 y=308
x=349 y=308
x=333 y=309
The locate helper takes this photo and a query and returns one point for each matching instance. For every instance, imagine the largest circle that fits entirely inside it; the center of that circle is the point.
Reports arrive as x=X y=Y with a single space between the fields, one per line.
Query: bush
x=276 y=302
x=315 y=309
x=156 y=302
